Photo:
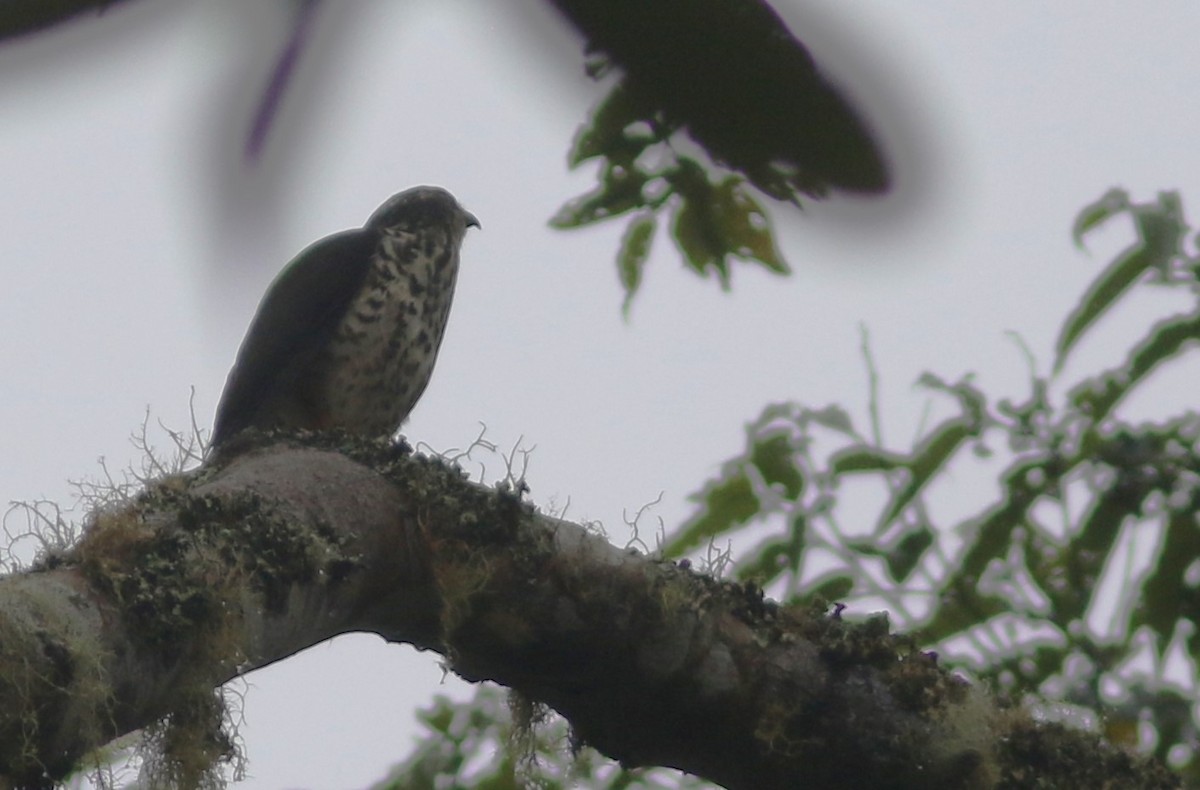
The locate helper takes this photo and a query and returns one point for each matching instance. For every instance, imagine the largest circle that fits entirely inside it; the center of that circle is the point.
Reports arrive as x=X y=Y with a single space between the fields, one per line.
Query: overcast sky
x=136 y=248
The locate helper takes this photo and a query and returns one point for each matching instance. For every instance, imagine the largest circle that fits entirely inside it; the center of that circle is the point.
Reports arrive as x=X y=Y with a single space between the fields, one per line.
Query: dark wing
x=297 y=316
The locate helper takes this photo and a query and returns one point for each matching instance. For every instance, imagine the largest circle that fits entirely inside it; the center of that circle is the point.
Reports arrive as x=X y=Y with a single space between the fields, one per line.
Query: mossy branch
x=227 y=569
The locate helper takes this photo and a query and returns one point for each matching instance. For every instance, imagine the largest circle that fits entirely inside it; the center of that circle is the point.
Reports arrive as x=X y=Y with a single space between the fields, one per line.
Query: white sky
x=135 y=252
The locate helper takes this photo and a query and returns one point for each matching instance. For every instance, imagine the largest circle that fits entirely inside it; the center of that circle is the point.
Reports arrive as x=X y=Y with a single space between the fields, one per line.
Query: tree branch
x=235 y=566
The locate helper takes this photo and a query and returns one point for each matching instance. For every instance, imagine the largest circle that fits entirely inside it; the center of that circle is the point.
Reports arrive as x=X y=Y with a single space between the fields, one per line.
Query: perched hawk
x=347 y=335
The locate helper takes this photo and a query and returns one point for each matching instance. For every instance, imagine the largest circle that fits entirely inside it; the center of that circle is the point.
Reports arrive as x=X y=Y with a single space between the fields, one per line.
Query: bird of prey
x=347 y=334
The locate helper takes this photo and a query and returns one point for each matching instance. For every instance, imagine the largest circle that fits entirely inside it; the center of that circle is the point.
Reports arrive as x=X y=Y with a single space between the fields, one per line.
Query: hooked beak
x=471 y=221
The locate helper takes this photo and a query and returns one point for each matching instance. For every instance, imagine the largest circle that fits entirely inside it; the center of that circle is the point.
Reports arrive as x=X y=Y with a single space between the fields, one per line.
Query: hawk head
x=421 y=209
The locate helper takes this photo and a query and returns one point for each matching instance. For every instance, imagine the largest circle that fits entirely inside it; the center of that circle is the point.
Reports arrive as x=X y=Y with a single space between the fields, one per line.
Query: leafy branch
x=1016 y=590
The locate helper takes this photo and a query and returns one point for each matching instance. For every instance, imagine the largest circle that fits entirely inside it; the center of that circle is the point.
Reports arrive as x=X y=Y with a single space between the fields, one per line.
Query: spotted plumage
x=347 y=335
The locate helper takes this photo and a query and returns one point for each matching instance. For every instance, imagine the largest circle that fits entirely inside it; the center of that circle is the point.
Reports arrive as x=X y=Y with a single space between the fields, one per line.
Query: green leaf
x=605 y=133
x=632 y=255
x=746 y=226
x=833 y=417
x=834 y=589
x=727 y=504
x=768 y=561
x=702 y=249
x=1086 y=555
x=1167 y=590
x=935 y=451
x=713 y=222
x=697 y=224
x=902 y=559
x=970 y=398
x=865 y=459
x=773 y=457
x=440 y=717
x=1113 y=202
x=619 y=191
x=1097 y=397
x=1160 y=230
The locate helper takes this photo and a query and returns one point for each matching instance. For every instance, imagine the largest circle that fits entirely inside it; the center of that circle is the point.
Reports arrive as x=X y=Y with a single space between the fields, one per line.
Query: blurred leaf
x=631 y=258
x=991 y=533
x=769 y=560
x=926 y=461
x=961 y=608
x=734 y=77
x=969 y=397
x=1160 y=231
x=714 y=221
x=833 y=417
x=1167 y=595
x=711 y=221
x=1113 y=202
x=23 y=18
x=726 y=504
x=1102 y=294
x=834 y=589
x=606 y=132
x=701 y=247
x=620 y=191
x=696 y=227
x=439 y=718
x=773 y=457
x=902 y=559
x=475 y=749
x=865 y=459
x=1091 y=546
x=745 y=226
x=1098 y=396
